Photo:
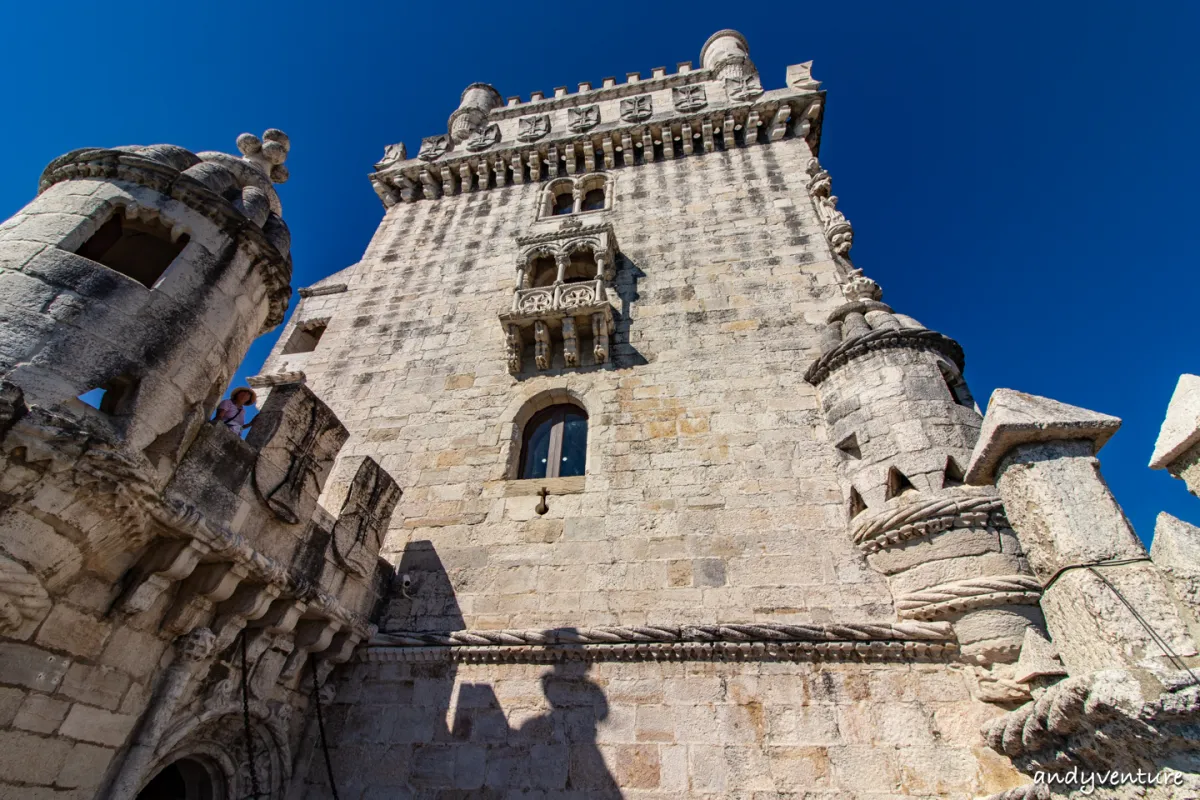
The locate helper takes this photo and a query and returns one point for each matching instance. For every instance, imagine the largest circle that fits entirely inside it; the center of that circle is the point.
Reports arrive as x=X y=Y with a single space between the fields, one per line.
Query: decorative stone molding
x=756 y=642
x=321 y=291
x=882 y=339
x=860 y=287
x=363 y=520
x=743 y=89
x=838 y=231
x=969 y=594
x=921 y=519
x=267 y=153
x=484 y=138
x=689 y=98
x=392 y=154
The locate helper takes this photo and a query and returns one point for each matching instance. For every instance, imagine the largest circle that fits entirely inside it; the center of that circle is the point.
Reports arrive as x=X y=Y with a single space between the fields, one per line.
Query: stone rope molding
x=755 y=641
x=968 y=594
x=882 y=339
x=927 y=518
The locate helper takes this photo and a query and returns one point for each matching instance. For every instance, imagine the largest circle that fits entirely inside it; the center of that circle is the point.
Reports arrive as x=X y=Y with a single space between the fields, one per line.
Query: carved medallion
x=530 y=129
x=433 y=147
x=583 y=118
x=484 y=138
x=744 y=88
x=393 y=154
x=297 y=437
x=689 y=98
x=360 y=528
x=636 y=109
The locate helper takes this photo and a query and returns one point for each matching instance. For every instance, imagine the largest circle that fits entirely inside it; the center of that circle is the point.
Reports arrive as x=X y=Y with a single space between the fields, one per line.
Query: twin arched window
x=554 y=444
x=565 y=196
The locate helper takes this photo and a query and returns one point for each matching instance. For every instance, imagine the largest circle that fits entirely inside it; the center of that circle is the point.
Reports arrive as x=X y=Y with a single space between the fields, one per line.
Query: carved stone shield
x=433 y=147
x=636 y=109
x=360 y=528
x=297 y=437
x=689 y=98
x=583 y=118
x=745 y=88
x=484 y=138
x=530 y=129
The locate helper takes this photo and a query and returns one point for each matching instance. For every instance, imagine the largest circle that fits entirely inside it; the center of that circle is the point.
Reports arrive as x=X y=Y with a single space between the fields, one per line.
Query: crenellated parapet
x=719 y=107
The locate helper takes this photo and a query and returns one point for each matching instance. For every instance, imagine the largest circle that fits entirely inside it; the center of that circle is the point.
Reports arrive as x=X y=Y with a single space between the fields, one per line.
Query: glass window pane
x=537 y=448
x=574 y=447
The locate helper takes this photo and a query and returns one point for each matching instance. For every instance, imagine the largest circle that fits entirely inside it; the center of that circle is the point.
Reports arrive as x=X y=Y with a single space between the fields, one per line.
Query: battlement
x=720 y=106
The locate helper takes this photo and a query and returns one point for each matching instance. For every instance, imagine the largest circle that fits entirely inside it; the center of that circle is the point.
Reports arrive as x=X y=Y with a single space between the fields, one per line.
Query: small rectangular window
x=137 y=249
x=305 y=337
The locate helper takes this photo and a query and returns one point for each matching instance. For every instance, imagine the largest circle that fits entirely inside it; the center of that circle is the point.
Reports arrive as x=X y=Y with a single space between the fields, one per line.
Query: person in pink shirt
x=232 y=411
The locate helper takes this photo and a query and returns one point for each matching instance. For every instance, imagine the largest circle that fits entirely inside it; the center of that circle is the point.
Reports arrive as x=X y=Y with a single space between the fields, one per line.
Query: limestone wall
x=711 y=490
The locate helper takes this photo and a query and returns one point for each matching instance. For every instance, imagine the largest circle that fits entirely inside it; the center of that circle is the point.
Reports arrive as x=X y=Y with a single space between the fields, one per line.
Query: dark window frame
x=556 y=417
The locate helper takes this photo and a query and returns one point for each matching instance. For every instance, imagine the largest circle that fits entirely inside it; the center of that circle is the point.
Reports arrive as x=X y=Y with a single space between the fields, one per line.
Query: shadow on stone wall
x=416 y=730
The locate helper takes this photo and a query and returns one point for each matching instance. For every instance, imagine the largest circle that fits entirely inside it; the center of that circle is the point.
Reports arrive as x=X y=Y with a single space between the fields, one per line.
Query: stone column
x=192 y=649
x=1041 y=456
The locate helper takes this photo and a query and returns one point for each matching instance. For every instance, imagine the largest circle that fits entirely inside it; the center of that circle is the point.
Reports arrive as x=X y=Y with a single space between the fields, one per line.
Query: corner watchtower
x=144 y=272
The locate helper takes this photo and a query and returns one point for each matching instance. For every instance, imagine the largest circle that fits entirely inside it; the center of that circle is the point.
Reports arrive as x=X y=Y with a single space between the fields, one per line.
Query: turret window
x=139 y=249
x=555 y=443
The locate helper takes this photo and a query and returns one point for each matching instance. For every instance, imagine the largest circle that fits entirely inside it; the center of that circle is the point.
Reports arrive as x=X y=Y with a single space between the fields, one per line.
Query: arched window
x=543 y=271
x=593 y=200
x=564 y=203
x=554 y=444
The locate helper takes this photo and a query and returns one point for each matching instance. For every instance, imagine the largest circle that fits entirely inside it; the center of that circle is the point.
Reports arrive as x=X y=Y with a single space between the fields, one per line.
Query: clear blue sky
x=1020 y=176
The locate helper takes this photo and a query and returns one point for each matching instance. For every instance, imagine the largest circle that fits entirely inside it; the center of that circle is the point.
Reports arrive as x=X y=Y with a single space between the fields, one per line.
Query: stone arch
x=555 y=189
x=523 y=408
x=214 y=740
x=587 y=185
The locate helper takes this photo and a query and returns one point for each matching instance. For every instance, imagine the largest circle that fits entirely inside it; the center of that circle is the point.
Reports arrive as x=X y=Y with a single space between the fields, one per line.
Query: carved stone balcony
x=562 y=312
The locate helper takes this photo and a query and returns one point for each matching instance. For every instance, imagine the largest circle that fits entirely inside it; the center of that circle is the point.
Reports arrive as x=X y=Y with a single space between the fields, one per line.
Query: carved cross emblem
x=584 y=118
x=363 y=521
x=689 y=98
x=636 y=109
x=393 y=154
x=530 y=129
x=433 y=147
x=745 y=88
x=484 y=138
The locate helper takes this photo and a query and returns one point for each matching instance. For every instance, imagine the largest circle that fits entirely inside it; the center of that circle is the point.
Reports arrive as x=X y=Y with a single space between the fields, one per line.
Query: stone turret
x=904 y=422
x=144 y=272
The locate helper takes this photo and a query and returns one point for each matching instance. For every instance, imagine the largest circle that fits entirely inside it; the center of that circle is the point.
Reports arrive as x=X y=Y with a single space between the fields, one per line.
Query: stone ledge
x=524 y=487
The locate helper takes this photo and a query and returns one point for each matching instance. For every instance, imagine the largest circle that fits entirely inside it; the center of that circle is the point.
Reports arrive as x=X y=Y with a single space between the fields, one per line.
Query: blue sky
x=1020 y=176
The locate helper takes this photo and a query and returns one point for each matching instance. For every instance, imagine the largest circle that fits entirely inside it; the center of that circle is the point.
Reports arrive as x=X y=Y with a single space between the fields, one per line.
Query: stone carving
x=393 y=154
x=433 y=148
x=267 y=153
x=583 y=118
x=799 y=76
x=637 y=109
x=601 y=325
x=860 y=287
x=363 y=521
x=514 y=346
x=484 y=138
x=541 y=338
x=533 y=301
x=196 y=645
x=570 y=342
x=916 y=520
x=297 y=437
x=743 y=89
x=530 y=129
x=22 y=597
x=688 y=98
x=837 y=230
x=964 y=595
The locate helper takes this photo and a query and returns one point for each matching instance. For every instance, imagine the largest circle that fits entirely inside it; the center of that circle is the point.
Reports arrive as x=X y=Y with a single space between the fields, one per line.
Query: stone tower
x=670 y=503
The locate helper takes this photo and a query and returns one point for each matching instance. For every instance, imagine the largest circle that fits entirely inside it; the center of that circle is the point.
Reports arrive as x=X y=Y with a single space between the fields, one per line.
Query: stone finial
x=1015 y=418
x=267 y=153
x=860 y=287
x=1181 y=429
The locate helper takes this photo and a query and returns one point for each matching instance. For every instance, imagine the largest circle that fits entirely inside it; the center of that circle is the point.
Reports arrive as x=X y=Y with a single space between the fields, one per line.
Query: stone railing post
x=1041 y=456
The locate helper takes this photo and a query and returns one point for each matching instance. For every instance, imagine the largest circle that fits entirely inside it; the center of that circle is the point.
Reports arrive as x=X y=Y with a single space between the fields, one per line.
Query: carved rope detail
x=1060 y=711
x=881 y=339
x=964 y=595
x=756 y=641
x=927 y=518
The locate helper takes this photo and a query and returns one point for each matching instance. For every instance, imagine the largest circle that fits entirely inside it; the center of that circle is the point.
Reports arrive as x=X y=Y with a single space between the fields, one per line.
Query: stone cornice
x=172 y=182
x=749 y=642
x=780 y=113
x=881 y=339
x=616 y=92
